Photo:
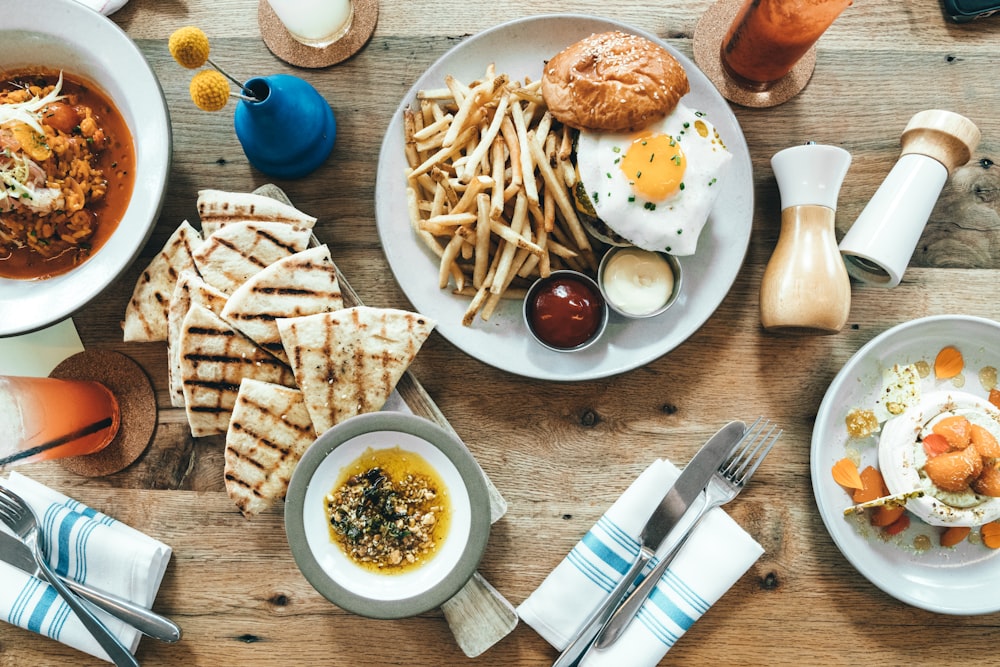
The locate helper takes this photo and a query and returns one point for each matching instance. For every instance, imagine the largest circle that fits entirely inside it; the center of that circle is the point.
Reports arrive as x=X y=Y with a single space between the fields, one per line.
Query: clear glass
x=316 y=23
x=768 y=37
x=46 y=418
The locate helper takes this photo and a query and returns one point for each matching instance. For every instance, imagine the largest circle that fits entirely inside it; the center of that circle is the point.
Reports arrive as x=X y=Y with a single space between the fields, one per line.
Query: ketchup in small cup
x=565 y=312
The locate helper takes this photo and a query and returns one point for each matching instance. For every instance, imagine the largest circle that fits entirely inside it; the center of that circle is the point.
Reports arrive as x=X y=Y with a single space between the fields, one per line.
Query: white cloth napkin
x=37 y=353
x=717 y=554
x=86 y=546
x=105 y=7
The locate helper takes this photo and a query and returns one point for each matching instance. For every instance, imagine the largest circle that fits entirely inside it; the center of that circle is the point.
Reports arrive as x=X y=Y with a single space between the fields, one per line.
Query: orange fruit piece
x=948 y=363
x=954 y=535
x=887 y=515
x=994 y=397
x=845 y=473
x=899 y=525
x=935 y=444
x=873 y=486
x=952 y=471
x=991 y=534
x=957 y=430
x=988 y=481
x=984 y=442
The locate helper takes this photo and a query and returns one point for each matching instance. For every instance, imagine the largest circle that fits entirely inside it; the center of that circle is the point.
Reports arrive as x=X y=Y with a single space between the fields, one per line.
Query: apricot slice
x=952 y=471
x=948 y=363
x=845 y=473
x=898 y=526
x=984 y=442
x=988 y=482
x=954 y=535
x=991 y=534
x=956 y=430
x=886 y=516
x=873 y=486
x=935 y=444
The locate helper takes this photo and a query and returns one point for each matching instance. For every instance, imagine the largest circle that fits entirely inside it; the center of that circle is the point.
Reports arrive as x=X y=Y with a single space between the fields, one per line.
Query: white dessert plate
x=960 y=580
x=519 y=48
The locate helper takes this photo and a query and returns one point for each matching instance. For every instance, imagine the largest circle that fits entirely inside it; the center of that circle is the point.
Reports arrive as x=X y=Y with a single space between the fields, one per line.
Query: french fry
x=488 y=193
x=559 y=191
x=487 y=139
x=483 y=231
x=448 y=260
x=527 y=166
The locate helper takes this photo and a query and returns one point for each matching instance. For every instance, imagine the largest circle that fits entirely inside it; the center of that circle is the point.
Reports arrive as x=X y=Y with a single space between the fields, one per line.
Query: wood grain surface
x=561 y=453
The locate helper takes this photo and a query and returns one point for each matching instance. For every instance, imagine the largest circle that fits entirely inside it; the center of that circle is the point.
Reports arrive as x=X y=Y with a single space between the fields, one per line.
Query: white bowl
x=63 y=34
x=957 y=580
x=340 y=579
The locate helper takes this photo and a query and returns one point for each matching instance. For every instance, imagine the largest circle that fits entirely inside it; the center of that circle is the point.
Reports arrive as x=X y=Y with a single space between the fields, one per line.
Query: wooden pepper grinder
x=805 y=288
x=880 y=243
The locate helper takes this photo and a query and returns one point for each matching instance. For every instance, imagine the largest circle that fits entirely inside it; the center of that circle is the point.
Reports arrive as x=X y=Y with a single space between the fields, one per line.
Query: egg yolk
x=654 y=165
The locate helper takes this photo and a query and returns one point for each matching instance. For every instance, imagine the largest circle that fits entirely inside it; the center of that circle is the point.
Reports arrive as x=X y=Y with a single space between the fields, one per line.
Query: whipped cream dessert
x=902 y=459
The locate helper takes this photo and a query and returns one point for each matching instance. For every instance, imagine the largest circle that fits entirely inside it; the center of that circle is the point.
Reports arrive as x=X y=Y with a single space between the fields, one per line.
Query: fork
x=22 y=520
x=725 y=484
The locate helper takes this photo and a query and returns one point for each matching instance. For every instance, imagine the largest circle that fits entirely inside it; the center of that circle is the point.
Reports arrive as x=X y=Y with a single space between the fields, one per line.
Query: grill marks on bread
x=214 y=360
x=302 y=284
x=217 y=208
x=147 y=311
x=349 y=361
x=239 y=250
x=268 y=433
x=190 y=289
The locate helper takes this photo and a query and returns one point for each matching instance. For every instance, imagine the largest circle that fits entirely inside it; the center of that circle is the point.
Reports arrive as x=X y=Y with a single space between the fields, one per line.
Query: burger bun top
x=613 y=81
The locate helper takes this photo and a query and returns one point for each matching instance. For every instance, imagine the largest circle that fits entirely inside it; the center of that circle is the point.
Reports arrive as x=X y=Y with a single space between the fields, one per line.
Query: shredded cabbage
x=29 y=112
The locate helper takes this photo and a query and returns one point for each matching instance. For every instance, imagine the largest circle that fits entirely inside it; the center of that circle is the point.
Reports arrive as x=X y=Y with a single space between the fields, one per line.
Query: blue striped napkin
x=86 y=546
x=717 y=554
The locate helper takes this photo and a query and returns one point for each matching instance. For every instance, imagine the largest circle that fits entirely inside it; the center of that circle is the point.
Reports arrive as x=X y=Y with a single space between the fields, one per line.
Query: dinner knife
x=665 y=516
x=16 y=553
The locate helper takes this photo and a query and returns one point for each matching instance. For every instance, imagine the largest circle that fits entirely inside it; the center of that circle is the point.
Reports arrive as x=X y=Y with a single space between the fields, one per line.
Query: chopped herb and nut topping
x=390 y=512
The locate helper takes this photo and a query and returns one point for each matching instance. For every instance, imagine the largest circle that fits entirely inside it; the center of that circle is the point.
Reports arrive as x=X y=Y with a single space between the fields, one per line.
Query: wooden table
x=561 y=453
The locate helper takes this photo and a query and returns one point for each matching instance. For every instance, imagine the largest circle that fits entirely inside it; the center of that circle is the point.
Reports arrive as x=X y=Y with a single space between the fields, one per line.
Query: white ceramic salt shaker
x=880 y=243
x=805 y=288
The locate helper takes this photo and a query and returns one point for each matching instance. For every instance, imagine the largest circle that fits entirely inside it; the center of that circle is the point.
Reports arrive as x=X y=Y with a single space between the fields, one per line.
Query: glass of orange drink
x=47 y=418
x=768 y=37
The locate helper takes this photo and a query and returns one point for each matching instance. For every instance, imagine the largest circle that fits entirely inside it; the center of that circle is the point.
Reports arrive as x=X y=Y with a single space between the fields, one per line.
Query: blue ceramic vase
x=289 y=131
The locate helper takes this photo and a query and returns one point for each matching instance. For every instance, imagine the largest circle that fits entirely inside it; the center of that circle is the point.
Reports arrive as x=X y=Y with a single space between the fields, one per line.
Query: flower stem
x=238 y=83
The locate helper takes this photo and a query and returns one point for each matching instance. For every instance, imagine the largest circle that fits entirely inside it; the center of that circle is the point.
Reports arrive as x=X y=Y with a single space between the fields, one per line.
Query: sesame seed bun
x=613 y=81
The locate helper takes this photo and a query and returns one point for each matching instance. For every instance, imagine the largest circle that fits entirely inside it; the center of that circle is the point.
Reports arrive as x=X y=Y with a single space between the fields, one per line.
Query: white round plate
x=78 y=39
x=520 y=48
x=959 y=580
x=339 y=578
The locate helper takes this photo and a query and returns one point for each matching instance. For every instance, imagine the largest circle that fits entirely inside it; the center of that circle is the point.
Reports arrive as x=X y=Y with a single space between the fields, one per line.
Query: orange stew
x=62 y=191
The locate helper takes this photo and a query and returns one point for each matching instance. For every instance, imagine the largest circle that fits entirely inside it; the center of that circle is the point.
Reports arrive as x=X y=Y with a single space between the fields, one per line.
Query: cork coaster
x=284 y=46
x=136 y=401
x=708 y=36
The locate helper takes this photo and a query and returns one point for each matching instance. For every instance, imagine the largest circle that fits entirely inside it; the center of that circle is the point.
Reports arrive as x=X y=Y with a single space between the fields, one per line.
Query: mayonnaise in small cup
x=639 y=283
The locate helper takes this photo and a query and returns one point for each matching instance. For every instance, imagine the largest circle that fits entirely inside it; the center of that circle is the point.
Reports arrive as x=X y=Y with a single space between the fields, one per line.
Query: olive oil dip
x=389 y=511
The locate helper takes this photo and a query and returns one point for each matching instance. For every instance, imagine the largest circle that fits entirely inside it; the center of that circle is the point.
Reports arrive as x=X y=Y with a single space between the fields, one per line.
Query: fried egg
x=901 y=459
x=655 y=188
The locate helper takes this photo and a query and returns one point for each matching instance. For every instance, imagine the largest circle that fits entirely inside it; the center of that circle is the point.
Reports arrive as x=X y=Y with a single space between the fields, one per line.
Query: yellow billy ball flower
x=189 y=47
x=209 y=90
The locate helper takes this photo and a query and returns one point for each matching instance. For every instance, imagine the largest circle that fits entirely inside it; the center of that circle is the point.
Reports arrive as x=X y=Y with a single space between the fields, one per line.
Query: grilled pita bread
x=217 y=208
x=240 y=249
x=302 y=284
x=190 y=289
x=348 y=362
x=214 y=359
x=269 y=431
x=146 y=312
